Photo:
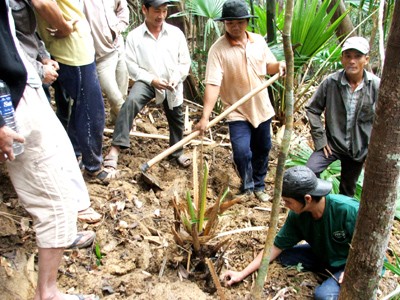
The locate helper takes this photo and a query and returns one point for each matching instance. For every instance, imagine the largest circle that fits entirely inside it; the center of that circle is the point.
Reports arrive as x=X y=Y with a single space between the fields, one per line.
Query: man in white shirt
x=158 y=60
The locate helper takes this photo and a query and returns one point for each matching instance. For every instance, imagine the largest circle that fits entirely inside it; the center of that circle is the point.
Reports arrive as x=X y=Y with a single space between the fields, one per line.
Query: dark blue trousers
x=87 y=119
x=251 y=148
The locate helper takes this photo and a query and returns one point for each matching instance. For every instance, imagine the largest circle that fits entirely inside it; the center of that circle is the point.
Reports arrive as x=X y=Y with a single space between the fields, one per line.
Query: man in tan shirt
x=237 y=63
x=107 y=20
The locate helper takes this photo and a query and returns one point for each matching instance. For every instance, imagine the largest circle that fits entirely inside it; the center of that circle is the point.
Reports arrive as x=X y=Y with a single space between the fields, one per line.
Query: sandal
x=80 y=242
x=104 y=175
x=111 y=161
x=184 y=161
x=89 y=216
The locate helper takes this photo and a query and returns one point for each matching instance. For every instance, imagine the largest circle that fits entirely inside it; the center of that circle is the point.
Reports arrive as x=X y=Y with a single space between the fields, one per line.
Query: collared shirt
x=329 y=100
x=238 y=70
x=351 y=99
x=107 y=20
x=166 y=57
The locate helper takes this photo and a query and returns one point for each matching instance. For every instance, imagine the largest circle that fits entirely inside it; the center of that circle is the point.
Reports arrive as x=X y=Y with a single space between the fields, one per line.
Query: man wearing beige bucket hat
x=347 y=99
x=237 y=63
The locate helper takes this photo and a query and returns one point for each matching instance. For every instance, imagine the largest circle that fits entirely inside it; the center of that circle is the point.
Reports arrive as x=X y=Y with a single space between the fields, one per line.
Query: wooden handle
x=217 y=119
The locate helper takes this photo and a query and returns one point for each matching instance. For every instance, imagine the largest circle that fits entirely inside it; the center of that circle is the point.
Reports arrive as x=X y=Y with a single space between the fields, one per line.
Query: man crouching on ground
x=325 y=222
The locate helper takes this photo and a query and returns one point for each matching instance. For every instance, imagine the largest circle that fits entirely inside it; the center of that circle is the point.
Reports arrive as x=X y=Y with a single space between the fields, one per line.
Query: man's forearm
x=256 y=263
x=51 y=13
x=210 y=98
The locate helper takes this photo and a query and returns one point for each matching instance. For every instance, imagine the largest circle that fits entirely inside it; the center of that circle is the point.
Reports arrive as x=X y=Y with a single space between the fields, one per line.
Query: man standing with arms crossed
x=72 y=47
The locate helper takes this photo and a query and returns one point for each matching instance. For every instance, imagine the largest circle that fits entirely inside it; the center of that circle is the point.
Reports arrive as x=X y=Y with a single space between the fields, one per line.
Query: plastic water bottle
x=7 y=112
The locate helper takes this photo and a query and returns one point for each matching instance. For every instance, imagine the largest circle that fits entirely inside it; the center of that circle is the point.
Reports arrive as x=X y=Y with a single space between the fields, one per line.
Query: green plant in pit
x=198 y=222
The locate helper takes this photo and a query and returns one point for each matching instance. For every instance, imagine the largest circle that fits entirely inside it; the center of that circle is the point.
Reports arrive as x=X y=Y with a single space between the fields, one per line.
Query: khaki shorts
x=42 y=175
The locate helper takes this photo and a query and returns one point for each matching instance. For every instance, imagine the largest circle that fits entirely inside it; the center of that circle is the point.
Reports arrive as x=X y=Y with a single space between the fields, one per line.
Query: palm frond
x=299 y=155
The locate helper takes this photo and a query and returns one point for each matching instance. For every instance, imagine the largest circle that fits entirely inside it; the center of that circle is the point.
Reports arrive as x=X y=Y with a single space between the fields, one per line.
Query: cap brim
x=353 y=48
x=323 y=188
x=159 y=3
x=234 y=18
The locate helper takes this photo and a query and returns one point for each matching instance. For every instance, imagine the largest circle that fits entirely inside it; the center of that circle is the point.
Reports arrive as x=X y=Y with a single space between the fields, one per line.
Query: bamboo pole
x=217 y=119
x=257 y=290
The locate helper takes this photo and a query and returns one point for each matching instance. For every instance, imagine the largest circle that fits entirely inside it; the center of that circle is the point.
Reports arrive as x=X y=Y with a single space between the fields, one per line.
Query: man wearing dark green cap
x=238 y=62
x=326 y=222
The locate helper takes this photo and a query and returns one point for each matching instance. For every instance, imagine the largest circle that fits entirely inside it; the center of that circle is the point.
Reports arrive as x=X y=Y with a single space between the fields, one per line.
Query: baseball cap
x=300 y=180
x=358 y=43
x=156 y=3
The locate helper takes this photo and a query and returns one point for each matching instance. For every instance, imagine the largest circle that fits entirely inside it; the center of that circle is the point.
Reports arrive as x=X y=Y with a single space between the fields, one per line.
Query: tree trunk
x=346 y=26
x=380 y=192
x=271 y=21
x=256 y=292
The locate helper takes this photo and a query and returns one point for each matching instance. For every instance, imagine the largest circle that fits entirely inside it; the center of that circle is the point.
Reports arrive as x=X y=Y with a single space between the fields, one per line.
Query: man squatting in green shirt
x=325 y=222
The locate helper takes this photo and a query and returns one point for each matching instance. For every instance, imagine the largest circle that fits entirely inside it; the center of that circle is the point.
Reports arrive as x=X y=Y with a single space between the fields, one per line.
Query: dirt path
x=140 y=259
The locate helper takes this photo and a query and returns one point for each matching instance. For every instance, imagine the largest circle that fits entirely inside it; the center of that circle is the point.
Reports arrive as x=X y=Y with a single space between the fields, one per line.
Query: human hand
x=62 y=33
x=327 y=151
x=160 y=84
x=201 y=125
x=231 y=277
x=49 y=74
x=282 y=69
x=172 y=85
x=50 y=62
x=7 y=137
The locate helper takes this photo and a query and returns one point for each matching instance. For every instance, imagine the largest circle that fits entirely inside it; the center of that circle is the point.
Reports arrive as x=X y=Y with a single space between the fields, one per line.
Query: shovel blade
x=151 y=180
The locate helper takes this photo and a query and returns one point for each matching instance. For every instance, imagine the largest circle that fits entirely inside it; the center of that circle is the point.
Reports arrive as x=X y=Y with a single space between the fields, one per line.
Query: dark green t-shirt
x=329 y=237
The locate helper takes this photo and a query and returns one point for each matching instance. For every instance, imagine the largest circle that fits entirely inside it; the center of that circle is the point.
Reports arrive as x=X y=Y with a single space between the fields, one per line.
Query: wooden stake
x=215 y=279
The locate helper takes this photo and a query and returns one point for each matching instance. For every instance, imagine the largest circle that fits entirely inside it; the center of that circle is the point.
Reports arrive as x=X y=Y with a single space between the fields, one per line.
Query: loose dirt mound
x=139 y=258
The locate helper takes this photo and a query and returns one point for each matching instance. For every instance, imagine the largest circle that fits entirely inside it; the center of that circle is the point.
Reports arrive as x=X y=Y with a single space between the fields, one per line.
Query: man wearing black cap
x=347 y=99
x=325 y=221
x=237 y=63
x=158 y=60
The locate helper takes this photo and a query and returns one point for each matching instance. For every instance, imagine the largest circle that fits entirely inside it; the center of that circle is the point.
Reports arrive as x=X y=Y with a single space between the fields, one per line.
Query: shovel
x=144 y=167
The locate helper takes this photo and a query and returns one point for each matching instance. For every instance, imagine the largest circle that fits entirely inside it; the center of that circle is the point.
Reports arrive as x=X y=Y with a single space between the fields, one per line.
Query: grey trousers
x=351 y=169
x=139 y=96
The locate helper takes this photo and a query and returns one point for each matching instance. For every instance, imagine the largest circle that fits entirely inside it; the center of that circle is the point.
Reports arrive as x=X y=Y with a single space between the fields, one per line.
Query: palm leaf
x=299 y=155
x=207 y=9
x=312 y=30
